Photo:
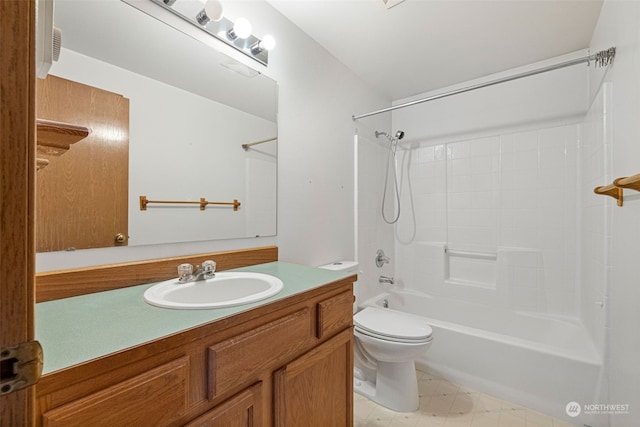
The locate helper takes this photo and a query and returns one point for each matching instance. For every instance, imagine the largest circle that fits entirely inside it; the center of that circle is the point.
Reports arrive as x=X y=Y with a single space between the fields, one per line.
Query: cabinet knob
x=120 y=238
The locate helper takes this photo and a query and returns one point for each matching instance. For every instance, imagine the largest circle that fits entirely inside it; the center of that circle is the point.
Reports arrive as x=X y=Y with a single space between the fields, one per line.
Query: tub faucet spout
x=386 y=280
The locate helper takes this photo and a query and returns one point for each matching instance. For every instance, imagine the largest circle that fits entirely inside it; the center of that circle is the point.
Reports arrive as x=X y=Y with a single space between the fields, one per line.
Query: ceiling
x=421 y=45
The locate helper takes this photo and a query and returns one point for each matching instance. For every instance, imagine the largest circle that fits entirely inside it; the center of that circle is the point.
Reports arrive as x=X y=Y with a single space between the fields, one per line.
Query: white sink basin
x=226 y=289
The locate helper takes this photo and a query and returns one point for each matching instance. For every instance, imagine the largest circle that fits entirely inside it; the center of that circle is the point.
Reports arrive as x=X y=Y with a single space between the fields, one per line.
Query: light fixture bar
x=220 y=30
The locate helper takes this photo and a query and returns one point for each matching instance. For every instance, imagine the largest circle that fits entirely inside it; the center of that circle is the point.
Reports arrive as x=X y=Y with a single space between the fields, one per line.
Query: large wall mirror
x=190 y=111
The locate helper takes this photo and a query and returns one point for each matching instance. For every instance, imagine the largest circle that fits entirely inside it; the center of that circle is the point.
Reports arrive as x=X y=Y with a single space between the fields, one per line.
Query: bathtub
x=530 y=359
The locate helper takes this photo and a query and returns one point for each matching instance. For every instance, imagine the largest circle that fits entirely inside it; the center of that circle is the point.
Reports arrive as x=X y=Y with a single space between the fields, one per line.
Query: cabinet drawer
x=241 y=359
x=334 y=314
x=155 y=397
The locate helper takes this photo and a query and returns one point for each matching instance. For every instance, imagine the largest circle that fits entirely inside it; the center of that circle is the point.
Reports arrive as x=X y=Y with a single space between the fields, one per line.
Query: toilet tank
x=347 y=267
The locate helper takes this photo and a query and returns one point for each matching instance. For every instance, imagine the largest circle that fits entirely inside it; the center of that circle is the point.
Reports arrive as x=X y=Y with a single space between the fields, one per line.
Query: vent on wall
x=391 y=3
x=48 y=38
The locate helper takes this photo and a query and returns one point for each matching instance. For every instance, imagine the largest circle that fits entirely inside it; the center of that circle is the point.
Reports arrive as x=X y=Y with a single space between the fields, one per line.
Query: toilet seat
x=361 y=332
x=392 y=325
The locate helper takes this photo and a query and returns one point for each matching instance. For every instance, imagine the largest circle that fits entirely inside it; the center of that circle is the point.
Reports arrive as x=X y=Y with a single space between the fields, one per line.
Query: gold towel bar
x=203 y=203
x=245 y=147
x=615 y=190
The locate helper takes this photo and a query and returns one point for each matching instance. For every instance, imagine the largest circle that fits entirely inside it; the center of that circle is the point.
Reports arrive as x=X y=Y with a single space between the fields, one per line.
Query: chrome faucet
x=385 y=279
x=202 y=272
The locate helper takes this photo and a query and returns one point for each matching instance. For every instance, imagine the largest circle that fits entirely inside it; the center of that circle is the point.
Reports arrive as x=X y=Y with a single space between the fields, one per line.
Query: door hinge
x=20 y=366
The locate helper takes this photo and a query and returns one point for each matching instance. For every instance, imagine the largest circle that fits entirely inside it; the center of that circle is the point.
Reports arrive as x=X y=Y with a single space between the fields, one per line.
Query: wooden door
x=82 y=194
x=17 y=169
x=317 y=388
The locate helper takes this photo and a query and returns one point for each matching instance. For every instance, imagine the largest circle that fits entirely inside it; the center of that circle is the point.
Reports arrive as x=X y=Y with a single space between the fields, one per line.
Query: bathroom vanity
x=284 y=361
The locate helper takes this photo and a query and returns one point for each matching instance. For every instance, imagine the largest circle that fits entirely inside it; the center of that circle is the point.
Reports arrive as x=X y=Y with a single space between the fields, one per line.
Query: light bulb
x=212 y=12
x=268 y=42
x=242 y=28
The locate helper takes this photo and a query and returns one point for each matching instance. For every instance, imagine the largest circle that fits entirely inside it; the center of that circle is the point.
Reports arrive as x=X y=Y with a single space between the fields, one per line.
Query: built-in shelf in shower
x=471 y=268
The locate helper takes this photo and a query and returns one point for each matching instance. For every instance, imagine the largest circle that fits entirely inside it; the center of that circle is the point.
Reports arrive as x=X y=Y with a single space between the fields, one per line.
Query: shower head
x=399 y=134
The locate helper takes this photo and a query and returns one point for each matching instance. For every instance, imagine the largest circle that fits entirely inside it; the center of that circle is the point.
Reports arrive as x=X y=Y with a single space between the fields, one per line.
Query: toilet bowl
x=386 y=344
x=390 y=341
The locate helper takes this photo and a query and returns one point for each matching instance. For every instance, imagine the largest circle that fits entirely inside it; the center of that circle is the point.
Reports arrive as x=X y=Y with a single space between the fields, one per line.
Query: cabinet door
x=317 y=388
x=242 y=410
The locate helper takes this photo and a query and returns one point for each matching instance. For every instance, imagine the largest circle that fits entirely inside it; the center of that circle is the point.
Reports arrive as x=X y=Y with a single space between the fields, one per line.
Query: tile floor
x=445 y=404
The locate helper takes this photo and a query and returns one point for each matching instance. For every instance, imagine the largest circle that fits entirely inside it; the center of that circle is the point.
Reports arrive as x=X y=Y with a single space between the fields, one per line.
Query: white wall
x=618 y=227
x=317 y=97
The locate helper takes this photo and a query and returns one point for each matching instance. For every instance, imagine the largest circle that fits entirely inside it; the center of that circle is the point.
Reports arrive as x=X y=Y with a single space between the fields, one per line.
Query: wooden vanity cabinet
x=287 y=363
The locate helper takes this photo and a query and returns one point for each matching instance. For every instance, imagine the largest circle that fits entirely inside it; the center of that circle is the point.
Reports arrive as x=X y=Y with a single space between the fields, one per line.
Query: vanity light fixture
x=210 y=19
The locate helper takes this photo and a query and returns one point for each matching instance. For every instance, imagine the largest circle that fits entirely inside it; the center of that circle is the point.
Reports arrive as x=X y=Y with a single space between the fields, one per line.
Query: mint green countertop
x=78 y=329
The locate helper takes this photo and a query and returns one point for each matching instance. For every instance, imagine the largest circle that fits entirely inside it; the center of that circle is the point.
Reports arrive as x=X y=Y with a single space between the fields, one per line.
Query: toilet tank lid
x=341 y=266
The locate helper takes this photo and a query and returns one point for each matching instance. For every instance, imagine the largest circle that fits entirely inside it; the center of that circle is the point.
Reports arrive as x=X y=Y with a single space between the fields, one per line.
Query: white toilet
x=386 y=344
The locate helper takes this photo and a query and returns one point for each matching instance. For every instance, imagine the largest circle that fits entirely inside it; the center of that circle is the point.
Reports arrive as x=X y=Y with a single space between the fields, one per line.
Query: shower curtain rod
x=601 y=58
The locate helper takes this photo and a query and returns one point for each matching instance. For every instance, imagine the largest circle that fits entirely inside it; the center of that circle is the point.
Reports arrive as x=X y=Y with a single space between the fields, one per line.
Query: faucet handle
x=209 y=268
x=185 y=272
x=381 y=258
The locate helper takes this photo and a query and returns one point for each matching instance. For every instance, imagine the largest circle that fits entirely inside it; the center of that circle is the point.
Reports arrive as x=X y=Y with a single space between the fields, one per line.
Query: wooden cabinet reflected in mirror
x=82 y=191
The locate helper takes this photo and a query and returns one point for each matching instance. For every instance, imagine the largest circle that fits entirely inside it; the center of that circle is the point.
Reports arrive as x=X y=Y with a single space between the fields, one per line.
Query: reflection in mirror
x=207 y=19
x=191 y=109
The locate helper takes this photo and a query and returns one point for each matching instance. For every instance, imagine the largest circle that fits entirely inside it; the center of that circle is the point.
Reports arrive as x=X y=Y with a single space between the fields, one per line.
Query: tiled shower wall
x=512 y=196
